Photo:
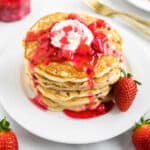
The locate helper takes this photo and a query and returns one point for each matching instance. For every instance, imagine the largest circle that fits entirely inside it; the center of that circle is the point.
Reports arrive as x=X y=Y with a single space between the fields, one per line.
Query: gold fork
x=105 y=10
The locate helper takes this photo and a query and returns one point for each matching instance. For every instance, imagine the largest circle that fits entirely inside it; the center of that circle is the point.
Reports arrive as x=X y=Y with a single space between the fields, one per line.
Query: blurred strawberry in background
x=13 y=10
x=141 y=135
x=8 y=139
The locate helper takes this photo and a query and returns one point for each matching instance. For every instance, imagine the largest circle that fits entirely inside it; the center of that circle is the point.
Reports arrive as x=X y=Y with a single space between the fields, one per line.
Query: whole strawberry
x=141 y=135
x=124 y=91
x=8 y=140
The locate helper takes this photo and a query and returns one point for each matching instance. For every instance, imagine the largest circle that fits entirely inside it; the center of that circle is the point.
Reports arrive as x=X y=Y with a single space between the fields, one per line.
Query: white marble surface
x=16 y=31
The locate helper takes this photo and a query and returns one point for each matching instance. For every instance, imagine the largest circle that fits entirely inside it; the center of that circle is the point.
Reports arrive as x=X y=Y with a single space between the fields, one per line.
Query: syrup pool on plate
x=37 y=101
x=86 y=114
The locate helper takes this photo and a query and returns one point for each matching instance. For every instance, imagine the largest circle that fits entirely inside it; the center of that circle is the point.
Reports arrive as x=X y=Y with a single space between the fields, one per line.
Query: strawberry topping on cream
x=68 y=35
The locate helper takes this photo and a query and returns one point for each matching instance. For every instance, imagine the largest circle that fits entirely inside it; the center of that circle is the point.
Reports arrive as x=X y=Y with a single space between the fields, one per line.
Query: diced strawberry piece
x=101 y=35
x=31 y=36
x=64 y=41
x=67 y=54
x=76 y=17
x=84 y=49
x=44 y=45
x=45 y=36
x=67 y=28
x=92 y=26
x=101 y=23
x=52 y=51
x=98 y=45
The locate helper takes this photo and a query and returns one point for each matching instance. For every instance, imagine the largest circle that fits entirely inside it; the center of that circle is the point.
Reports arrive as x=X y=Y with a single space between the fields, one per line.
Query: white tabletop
x=16 y=30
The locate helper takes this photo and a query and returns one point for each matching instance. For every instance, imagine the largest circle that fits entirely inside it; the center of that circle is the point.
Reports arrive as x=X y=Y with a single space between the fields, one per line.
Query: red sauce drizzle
x=37 y=101
x=34 y=79
x=84 y=59
x=74 y=16
x=64 y=40
x=91 y=100
x=99 y=111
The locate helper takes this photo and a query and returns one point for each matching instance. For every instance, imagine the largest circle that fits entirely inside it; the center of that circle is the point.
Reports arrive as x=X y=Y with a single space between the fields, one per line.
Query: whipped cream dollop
x=68 y=34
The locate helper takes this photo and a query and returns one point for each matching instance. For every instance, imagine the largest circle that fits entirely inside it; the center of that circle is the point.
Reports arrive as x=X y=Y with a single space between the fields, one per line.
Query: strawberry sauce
x=91 y=100
x=84 y=58
x=37 y=101
x=87 y=114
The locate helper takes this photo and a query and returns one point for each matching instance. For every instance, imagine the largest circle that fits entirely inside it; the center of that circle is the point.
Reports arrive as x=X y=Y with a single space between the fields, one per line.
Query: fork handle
x=136 y=18
x=138 y=26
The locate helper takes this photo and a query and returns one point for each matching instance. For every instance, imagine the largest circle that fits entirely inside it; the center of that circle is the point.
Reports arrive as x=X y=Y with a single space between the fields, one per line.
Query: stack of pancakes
x=61 y=85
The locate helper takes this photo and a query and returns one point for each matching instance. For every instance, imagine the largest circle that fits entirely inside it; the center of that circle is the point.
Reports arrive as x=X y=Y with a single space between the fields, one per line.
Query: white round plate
x=143 y=4
x=56 y=126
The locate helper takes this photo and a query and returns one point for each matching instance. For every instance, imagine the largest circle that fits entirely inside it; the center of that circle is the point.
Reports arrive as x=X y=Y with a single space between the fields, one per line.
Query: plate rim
x=133 y=2
x=64 y=141
x=72 y=141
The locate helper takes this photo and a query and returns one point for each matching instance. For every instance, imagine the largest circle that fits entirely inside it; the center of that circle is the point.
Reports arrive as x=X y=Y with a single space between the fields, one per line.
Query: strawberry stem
x=137 y=82
x=129 y=75
x=147 y=121
x=126 y=74
x=141 y=123
x=4 y=125
x=142 y=120
x=123 y=72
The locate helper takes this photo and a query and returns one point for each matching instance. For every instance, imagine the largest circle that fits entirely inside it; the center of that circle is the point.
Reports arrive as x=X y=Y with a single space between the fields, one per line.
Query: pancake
x=59 y=100
x=67 y=95
x=69 y=83
x=52 y=106
x=66 y=71
x=107 y=79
